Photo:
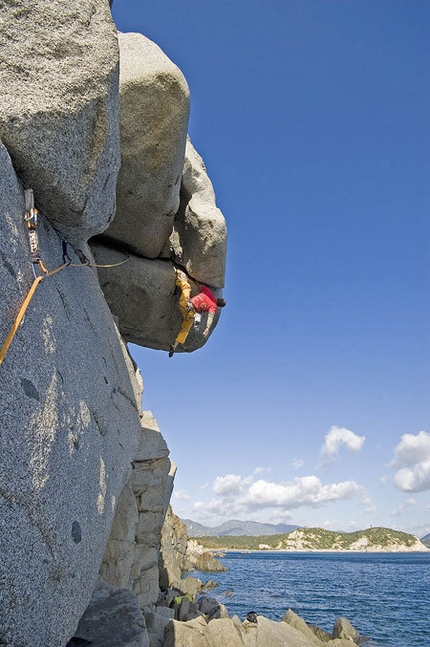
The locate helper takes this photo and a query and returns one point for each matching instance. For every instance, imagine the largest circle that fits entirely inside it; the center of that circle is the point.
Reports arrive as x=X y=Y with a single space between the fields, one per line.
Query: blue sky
x=313 y=119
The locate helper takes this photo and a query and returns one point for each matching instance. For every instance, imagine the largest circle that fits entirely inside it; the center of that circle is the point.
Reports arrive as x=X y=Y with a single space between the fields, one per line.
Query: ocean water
x=386 y=596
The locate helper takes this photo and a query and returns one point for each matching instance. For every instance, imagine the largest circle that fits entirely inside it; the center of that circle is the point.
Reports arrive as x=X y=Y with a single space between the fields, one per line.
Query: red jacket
x=205 y=301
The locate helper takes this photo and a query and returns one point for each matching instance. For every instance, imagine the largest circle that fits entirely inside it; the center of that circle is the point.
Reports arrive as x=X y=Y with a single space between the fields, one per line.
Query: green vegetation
x=315 y=539
x=242 y=542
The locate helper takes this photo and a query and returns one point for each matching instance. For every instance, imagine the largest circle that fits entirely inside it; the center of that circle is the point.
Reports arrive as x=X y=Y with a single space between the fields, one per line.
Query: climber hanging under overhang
x=192 y=308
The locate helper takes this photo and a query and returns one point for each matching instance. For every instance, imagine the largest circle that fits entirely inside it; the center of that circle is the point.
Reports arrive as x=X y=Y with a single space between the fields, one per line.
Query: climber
x=192 y=307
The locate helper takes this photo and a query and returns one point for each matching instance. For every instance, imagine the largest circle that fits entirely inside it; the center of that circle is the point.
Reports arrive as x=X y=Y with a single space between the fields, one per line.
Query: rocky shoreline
x=183 y=620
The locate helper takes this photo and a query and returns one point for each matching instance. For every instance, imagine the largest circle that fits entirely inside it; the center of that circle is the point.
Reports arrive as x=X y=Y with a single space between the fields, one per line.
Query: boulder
x=186 y=634
x=199 y=239
x=324 y=636
x=59 y=113
x=184 y=609
x=208 y=606
x=230 y=632
x=344 y=629
x=156 y=619
x=223 y=632
x=189 y=585
x=298 y=623
x=113 y=618
x=269 y=633
x=203 y=559
x=154 y=111
x=142 y=294
x=70 y=427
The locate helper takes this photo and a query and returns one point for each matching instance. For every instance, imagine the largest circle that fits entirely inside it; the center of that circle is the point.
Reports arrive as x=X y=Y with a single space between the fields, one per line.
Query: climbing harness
x=31 y=219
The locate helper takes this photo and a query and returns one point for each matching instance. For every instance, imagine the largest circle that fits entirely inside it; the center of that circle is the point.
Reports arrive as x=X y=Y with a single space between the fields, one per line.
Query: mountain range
x=236 y=528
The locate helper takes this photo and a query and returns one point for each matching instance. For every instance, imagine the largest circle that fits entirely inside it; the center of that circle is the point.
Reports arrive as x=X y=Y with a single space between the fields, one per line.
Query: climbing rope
x=31 y=218
x=19 y=318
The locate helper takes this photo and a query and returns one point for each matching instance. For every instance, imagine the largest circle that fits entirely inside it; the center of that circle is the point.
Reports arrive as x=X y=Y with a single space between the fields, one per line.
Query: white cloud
x=307 y=490
x=181 y=495
x=400 y=508
x=412 y=462
x=384 y=479
x=261 y=470
x=227 y=485
x=337 y=437
x=297 y=462
x=236 y=495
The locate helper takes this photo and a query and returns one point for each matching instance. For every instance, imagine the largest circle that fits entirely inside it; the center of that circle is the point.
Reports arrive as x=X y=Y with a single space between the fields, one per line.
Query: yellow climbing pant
x=187 y=315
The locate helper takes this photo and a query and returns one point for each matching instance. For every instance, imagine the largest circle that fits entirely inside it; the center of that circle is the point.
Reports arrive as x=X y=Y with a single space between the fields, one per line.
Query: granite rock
x=298 y=623
x=173 y=551
x=203 y=559
x=59 y=114
x=154 y=111
x=70 y=428
x=199 y=239
x=273 y=634
x=132 y=552
x=113 y=618
x=230 y=632
x=143 y=296
x=343 y=629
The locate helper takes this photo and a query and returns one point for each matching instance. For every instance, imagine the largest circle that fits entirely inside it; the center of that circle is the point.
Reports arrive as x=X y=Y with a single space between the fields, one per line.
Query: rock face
x=59 y=109
x=85 y=475
x=70 y=428
x=163 y=191
x=132 y=552
x=154 y=111
x=199 y=239
x=173 y=551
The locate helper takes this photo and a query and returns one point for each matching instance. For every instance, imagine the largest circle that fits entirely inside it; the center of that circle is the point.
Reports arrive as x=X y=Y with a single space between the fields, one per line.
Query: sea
x=386 y=596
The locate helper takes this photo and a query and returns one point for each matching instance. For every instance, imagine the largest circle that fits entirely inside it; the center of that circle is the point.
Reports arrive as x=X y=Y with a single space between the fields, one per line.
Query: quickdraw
x=31 y=220
x=31 y=217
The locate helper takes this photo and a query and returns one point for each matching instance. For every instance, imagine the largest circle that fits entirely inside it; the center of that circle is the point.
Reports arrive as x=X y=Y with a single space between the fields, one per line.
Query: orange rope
x=19 y=318
x=32 y=290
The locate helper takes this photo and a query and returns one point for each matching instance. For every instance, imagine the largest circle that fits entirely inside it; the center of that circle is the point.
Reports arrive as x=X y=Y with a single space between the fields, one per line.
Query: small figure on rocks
x=192 y=307
x=251 y=616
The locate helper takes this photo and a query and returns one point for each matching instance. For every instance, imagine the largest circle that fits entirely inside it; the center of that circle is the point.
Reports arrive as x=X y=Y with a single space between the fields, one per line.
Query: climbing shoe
x=171 y=350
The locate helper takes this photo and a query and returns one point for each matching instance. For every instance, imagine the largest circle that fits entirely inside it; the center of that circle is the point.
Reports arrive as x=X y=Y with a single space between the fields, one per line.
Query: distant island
x=315 y=539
